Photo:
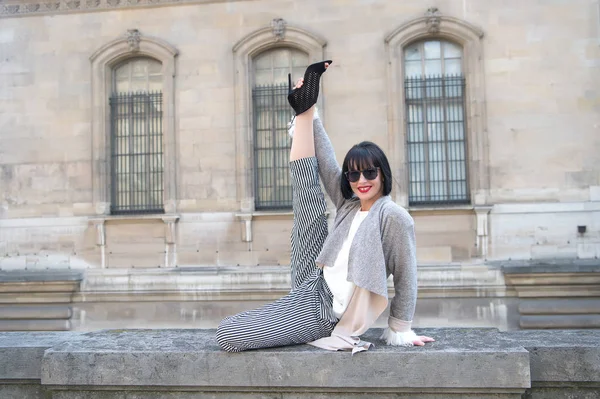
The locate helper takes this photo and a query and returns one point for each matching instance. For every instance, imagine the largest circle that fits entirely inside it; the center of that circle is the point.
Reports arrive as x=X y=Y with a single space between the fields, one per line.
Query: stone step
x=559 y=306
x=35 y=325
x=35 y=312
x=560 y=321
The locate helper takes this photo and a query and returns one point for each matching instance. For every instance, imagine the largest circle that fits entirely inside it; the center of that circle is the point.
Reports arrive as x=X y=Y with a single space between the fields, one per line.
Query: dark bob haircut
x=363 y=156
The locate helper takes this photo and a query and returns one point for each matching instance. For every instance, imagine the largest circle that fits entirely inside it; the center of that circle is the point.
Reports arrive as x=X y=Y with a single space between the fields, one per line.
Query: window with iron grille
x=271 y=113
x=434 y=95
x=136 y=110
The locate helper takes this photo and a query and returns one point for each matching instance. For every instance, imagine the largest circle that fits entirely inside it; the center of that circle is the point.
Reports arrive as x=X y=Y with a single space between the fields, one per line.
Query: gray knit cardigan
x=384 y=244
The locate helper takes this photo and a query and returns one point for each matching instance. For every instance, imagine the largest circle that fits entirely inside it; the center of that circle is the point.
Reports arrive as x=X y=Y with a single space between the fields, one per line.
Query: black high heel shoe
x=301 y=99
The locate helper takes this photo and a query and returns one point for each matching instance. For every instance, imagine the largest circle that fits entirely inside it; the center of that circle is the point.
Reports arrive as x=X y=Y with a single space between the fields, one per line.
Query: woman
x=339 y=282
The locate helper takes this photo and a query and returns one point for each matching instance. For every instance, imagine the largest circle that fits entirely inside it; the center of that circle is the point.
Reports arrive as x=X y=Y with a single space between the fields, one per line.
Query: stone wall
x=533 y=137
x=152 y=364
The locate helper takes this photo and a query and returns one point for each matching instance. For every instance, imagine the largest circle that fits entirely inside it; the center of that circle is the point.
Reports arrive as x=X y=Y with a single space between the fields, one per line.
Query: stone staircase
x=37 y=300
x=556 y=294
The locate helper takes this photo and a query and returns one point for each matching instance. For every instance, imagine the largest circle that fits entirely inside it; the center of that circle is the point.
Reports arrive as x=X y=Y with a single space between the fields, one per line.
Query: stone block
x=21 y=353
x=440 y=254
x=561 y=356
x=588 y=251
x=196 y=257
x=553 y=251
x=128 y=260
x=467 y=361
x=594 y=193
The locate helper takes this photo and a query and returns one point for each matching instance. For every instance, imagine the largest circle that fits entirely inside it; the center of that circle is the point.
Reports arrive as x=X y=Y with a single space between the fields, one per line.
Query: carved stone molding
x=16 y=8
x=73 y=4
x=32 y=7
x=278 y=25
x=433 y=20
x=133 y=39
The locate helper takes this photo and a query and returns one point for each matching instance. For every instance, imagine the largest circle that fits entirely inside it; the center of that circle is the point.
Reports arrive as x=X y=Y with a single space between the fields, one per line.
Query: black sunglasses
x=354 y=175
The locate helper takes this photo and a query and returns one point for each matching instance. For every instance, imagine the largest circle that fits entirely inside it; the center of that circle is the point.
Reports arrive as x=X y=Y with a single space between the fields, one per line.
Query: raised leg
x=309 y=229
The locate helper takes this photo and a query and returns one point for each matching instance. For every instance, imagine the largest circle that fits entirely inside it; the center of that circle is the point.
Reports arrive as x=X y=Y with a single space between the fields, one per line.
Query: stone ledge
x=579 y=321
x=560 y=355
x=548 y=266
x=187 y=364
x=35 y=325
x=569 y=306
x=191 y=358
x=21 y=352
x=268 y=283
x=42 y=276
x=42 y=312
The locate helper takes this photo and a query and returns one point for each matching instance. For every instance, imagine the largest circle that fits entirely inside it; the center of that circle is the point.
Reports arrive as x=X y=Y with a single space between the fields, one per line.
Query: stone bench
x=187 y=364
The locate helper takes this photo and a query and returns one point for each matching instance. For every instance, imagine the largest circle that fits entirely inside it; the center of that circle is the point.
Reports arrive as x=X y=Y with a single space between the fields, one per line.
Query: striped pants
x=305 y=314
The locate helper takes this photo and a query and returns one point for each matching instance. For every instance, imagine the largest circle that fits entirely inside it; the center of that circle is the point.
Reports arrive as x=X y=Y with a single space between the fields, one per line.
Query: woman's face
x=367 y=189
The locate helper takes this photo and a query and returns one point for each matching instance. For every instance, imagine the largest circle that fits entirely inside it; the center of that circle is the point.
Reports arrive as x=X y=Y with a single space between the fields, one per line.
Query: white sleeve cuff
x=399 y=325
x=392 y=337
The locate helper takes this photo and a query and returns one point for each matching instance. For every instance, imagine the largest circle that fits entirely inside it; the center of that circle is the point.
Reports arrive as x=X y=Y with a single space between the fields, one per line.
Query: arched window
x=262 y=58
x=271 y=113
x=437 y=115
x=136 y=137
x=434 y=97
x=134 y=63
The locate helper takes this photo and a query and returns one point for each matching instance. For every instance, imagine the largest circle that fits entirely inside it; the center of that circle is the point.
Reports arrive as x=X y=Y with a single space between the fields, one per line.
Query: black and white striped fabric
x=305 y=314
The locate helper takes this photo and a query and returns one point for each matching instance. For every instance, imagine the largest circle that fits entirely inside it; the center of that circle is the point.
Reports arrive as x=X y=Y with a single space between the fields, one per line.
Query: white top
x=336 y=276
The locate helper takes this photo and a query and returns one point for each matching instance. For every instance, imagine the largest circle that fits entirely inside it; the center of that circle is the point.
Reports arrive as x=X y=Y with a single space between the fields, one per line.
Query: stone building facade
x=489 y=113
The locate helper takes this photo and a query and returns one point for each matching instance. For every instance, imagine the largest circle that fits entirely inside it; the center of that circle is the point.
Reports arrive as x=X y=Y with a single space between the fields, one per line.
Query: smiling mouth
x=364 y=189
